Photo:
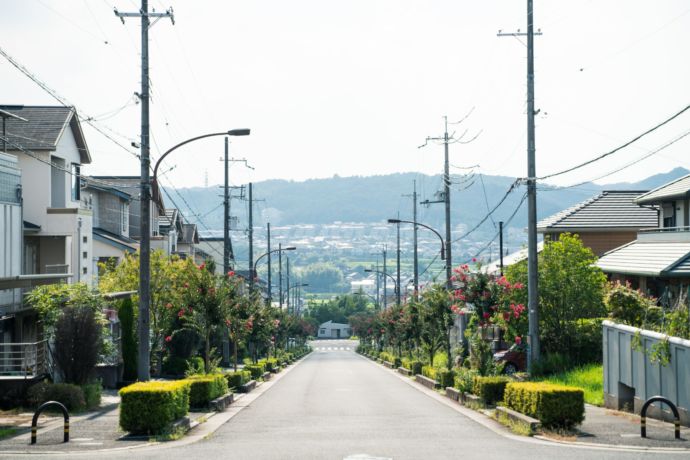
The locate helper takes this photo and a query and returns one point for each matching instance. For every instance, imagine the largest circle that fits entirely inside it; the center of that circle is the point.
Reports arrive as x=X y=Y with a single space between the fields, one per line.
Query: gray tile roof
x=668 y=259
x=679 y=188
x=43 y=129
x=610 y=209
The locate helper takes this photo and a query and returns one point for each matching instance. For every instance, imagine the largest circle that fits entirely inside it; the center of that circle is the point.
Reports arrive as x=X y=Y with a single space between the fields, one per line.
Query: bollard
x=643 y=415
x=40 y=409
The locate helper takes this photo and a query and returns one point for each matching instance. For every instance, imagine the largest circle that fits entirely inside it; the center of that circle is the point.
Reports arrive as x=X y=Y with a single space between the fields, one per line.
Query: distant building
x=331 y=330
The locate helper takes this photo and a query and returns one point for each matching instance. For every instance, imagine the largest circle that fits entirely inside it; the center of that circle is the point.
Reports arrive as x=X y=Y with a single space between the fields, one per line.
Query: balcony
x=664 y=235
x=23 y=360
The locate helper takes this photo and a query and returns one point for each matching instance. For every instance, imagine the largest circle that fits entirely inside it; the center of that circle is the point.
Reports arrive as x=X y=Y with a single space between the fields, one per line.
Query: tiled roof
x=670 y=259
x=43 y=129
x=607 y=210
x=679 y=188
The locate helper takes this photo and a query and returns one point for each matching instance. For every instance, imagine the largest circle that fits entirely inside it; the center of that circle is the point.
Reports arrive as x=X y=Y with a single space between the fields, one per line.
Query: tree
x=323 y=277
x=167 y=285
x=128 y=340
x=77 y=343
x=436 y=320
x=571 y=287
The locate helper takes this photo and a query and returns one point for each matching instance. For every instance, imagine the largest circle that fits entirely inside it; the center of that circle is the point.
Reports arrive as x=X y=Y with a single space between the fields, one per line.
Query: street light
x=256 y=262
x=443 y=244
x=395 y=283
x=296 y=285
x=143 y=368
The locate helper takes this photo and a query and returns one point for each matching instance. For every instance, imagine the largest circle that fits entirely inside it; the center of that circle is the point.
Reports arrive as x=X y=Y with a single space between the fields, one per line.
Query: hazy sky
x=353 y=87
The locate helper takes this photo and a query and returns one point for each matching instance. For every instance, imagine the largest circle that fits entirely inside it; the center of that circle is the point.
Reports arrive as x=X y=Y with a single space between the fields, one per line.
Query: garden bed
x=426 y=381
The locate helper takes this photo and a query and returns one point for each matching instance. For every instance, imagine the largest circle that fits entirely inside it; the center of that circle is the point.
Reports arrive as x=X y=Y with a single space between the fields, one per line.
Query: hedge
x=446 y=377
x=464 y=380
x=152 y=407
x=556 y=406
x=257 y=370
x=205 y=388
x=72 y=396
x=416 y=367
x=237 y=379
x=490 y=389
x=429 y=372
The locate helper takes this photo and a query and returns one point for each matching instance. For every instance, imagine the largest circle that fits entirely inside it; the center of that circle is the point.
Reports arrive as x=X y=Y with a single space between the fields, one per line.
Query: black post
x=268 y=239
x=226 y=217
x=500 y=244
x=398 y=289
x=280 y=275
x=251 y=238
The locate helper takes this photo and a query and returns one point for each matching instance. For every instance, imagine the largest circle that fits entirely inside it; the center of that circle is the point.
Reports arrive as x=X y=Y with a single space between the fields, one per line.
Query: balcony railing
x=57 y=268
x=23 y=359
x=664 y=229
x=664 y=234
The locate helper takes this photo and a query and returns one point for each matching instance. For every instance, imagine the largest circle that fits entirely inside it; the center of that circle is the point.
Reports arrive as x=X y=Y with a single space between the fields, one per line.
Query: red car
x=514 y=359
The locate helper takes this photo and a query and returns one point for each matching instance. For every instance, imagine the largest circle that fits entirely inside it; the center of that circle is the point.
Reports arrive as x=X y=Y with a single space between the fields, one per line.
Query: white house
x=331 y=330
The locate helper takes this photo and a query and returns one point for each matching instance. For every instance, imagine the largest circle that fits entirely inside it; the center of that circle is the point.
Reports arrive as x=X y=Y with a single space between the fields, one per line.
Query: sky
x=354 y=87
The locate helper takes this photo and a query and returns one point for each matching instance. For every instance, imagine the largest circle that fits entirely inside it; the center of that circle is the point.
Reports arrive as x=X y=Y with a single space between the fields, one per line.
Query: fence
x=23 y=359
x=631 y=376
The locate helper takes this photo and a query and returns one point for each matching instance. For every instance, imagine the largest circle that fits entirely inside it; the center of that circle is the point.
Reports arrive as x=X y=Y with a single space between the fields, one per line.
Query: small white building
x=331 y=330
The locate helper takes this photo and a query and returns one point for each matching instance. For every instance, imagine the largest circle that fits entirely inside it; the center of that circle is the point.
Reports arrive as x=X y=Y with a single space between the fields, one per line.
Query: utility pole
x=385 y=281
x=446 y=193
x=414 y=238
x=398 y=288
x=268 y=239
x=144 y=362
x=280 y=275
x=500 y=245
x=227 y=245
x=251 y=238
x=287 y=284
x=378 y=287
x=532 y=268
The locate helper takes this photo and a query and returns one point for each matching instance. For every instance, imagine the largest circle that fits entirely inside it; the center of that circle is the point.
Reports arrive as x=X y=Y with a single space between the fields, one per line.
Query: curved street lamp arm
x=158 y=162
x=443 y=243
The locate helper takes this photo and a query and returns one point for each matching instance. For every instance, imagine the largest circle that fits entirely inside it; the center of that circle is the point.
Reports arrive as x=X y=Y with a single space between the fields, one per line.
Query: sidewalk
x=609 y=427
x=88 y=431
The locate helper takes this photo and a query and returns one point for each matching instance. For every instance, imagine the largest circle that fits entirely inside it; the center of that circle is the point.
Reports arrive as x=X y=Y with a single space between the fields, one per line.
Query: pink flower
x=518 y=340
x=518 y=285
x=168 y=305
x=474 y=259
x=231 y=273
x=180 y=313
x=486 y=315
x=202 y=266
x=168 y=339
x=506 y=315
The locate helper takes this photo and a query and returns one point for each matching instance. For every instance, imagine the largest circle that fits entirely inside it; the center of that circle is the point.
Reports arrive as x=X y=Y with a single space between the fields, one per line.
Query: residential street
x=336 y=404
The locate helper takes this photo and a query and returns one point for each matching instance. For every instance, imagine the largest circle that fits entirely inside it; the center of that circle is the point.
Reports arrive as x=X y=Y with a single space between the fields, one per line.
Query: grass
x=6 y=432
x=589 y=377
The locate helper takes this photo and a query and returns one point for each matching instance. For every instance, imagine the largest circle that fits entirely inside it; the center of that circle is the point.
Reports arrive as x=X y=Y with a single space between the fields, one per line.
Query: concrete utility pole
x=399 y=288
x=268 y=240
x=143 y=362
x=378 y=286
x=251 y=238
x=227 y=245
x=385 y=281
x=532 y=268
x=287 y=284
x=500 y=245
x=414 y=238
x=280 y=275
x=446 y=197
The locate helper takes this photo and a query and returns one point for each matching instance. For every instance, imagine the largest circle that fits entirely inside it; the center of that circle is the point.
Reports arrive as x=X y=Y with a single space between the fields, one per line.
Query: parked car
x=514 y=359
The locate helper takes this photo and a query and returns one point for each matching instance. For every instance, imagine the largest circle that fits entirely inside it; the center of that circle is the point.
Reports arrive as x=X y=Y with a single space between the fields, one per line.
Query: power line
x=611 y=152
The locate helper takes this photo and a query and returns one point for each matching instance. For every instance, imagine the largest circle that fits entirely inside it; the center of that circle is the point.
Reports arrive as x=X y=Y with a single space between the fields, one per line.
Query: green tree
x=128 y=340
x=436 y=321
x=571 y=287
x=323 y=277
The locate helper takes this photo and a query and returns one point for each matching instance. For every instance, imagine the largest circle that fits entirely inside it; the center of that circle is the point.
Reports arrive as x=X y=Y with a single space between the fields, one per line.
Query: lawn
x=590 y=378
x=7 y=431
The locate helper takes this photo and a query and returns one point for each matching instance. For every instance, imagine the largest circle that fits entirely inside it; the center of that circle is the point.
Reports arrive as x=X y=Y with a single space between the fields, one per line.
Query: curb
x=501 y=430
x=195 y=434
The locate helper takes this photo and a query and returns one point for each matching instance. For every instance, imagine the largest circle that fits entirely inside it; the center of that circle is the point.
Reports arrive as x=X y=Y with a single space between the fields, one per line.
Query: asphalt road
x=338 y=405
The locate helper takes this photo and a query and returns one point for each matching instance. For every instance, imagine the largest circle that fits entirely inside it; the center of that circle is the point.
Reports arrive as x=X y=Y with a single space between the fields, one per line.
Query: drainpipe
x=79 y=250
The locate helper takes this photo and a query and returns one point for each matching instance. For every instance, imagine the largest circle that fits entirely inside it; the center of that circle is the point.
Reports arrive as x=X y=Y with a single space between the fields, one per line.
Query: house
x=658 y=261
x=50 y=147
x=604 y=222
x=170 y=224
x=331 y=330
x=187 y=241
x=131 y=186
x=110 y=208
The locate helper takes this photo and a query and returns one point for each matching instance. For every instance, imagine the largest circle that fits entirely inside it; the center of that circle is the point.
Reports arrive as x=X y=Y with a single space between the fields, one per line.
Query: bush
x=552 y=363
x=446 y=377
x=556 y=406
x=464 y=380
x=237 y=379
x=397 y=362
x=429 y=372
x=72 y=396
x=256 y=370
x=490 y=389
x=92 y=394
x=406 y=363
x=385 y=356
x=416 y=367
x=77 y=344
x=204 y=388
x=627 y=305
x=175 y=365
x=128 y=340
x=152 y=407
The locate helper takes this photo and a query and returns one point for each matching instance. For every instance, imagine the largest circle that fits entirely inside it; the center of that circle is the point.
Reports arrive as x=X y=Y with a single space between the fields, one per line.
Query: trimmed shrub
x=385 y=356
x=464 y=380
x=205 y=388
x=446 y=377
x=256 y=370
x=397 y=362
x=92 y=394
x=72 y=396
x=77 y=344
x=416 y=367
x=429 y=372
x=128 y=340
x=152 y=407
x=406 y=363
x=556 y=406
x=237 y=379
x=490 y=389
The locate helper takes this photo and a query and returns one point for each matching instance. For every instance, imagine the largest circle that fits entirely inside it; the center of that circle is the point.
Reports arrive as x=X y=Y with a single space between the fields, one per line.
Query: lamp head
x=368 y=270
x=239 y=132
x=394 y=221
x=289 y=248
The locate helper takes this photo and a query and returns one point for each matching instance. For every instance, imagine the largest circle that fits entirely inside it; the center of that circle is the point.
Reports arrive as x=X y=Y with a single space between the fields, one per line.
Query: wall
x=601 y=242
x=35 y=187
x=630 y=378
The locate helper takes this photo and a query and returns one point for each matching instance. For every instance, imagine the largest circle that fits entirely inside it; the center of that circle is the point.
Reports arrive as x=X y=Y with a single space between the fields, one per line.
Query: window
x=669 y=215
x=85 y=255
x=85 y=239
x=84 y=270
x=322 y=331
x=76 y=182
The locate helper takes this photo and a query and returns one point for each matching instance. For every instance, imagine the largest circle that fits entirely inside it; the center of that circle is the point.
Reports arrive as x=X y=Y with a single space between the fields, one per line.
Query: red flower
x=186 y=285
x=506 y=315
x=486 y=315
x=231 y=273
x=168 y=339
x=180 y=313
x=202 y=266
x=474 y=259
x=168 y=305
x=518 y=340
x=227 y=322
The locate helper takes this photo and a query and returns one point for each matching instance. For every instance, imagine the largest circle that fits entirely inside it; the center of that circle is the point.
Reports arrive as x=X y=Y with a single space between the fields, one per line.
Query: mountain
x=376 y=198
